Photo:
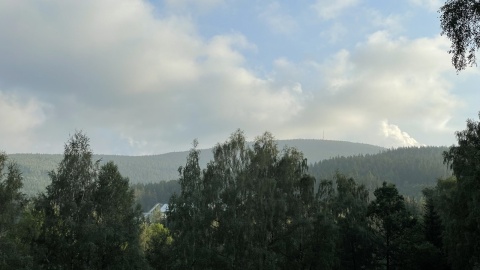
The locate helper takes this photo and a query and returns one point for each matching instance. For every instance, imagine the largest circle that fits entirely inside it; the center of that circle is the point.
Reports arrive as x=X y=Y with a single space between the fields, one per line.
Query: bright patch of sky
x=148 y=77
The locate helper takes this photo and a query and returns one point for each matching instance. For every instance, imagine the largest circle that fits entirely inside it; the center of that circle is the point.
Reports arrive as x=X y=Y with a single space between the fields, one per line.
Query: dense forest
x=411 y=169
x=164 y=167
x=139 y=169
x=254 y=206
x=147 y=195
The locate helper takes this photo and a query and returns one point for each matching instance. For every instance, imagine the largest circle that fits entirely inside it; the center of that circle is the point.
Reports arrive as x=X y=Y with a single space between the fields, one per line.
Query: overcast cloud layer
x=145 y=77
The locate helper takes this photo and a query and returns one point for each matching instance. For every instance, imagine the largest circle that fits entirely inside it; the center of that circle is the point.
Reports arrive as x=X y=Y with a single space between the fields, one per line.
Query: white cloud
x=335 y=33
x=277 y=19
x=19 y=116
x=393 y=23
x=404 y=80
x=338 y=71
x=431 y=5
x=297 y=88
x=154 y=81
x=128 y=76
x=202 y=5
x=397 y=136
x=327 y=9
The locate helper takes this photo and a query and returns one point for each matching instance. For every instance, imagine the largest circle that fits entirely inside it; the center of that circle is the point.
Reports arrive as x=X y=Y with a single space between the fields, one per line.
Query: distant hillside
x=411 y=169
x=317 y=150
x=155 y=168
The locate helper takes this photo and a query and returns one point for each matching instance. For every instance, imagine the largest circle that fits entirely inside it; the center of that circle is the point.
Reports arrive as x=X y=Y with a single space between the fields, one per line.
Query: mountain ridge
x=164 y=167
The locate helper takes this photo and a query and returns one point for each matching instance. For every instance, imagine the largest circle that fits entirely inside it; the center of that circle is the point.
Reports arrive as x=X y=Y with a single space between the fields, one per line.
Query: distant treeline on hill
x=410 y=169
x=147 y=195
x=164 y=167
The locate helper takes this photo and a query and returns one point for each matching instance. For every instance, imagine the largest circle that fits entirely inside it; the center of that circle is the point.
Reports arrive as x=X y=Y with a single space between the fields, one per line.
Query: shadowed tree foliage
x=394 y=227
x=460 y=22
x=433 y=232
x=117 y=221
x=14 y=254
x=156 y=243
x=355 y=246
x=411 y=169
x=461 y=217
x=88 y=217
x=431 y=220
x=252 y=208
x=66 y=236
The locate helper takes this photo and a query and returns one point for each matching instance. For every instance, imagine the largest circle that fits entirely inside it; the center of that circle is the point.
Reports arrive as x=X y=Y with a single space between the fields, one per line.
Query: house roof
x=159 y=206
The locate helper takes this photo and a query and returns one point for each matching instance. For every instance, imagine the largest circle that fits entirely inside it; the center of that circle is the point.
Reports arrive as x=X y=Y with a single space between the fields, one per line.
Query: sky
x=145 y=77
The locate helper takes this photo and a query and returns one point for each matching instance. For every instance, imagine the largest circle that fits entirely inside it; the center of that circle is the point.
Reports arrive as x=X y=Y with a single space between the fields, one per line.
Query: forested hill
x=155 y=168
x=410 y=169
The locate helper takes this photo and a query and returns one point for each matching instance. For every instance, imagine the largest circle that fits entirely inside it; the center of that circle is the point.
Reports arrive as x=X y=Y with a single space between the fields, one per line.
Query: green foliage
x=148 y=170
x=459 y=22
x=252 y=208
x=156 y=244
x=461 y=216
x=431 y=220
x=410 y=169
x=355 y=246
x=433 y=232
x=147 y=195
x=393 y=226
x=14 y=254
x=117 y=221
x=88 y=217
x=446 y=204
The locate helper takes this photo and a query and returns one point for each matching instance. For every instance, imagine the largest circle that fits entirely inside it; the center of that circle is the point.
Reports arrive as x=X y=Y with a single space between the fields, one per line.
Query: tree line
x=143 y=170
x=257 y=208
x=411 y=169
x=252 y=207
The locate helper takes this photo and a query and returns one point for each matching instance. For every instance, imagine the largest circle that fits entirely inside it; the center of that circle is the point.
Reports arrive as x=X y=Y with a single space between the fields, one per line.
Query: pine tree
x=393 y=226
x=431 y=219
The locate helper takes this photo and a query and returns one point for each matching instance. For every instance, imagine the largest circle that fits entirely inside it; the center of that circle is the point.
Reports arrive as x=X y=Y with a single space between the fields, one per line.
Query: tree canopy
x=13 y=253
x=89 y=221
x=462 y=215
x=460 y=22
x=254 y=206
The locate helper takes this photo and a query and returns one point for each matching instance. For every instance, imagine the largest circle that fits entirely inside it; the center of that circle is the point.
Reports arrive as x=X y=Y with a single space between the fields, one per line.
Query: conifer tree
x=392 y=224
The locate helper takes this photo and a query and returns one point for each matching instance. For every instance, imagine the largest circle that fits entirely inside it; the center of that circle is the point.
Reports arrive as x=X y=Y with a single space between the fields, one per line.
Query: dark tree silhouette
x=460 y=22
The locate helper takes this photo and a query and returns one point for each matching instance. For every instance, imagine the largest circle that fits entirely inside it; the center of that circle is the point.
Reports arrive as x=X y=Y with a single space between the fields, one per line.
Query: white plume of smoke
x=397 y=136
